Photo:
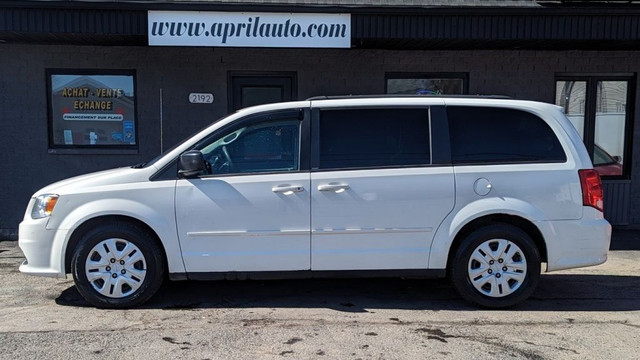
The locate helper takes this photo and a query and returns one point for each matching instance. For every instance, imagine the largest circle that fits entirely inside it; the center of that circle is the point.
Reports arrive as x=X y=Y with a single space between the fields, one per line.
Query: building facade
x=87 y=86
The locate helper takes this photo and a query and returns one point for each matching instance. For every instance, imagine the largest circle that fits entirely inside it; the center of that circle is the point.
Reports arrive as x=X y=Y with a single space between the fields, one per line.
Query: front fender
x=458 y=218
x=158 y=215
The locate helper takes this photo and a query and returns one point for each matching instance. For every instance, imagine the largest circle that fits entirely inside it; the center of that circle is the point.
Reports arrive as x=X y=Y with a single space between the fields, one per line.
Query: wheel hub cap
x=497 y=268
x=115 y=268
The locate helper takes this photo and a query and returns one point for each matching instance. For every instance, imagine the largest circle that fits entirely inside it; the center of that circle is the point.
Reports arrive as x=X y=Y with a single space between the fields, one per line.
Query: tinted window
x=374 y=137
x=494 y=135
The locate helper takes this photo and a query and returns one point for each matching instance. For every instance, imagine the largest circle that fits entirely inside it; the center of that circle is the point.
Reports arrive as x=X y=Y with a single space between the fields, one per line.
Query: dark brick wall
x=27 y=165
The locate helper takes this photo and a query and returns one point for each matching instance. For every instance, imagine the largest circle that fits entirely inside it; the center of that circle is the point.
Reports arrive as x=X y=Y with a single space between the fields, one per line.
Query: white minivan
x=482 y=190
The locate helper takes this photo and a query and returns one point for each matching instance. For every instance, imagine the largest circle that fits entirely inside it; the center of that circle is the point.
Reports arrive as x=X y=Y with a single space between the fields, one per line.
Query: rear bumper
x=577 y=243
x=40 y=248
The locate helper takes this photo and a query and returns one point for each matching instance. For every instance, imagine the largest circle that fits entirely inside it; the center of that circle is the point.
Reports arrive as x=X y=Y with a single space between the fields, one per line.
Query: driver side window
x=271 y=146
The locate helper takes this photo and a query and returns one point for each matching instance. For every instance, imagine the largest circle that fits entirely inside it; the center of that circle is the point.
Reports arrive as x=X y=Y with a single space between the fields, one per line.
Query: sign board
x=92 y=107
x=201 y=98
x=227 y=29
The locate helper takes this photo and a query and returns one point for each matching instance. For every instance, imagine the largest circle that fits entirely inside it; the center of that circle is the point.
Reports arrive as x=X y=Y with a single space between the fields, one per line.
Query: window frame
x=591 y=95
x=428 y=75
x=84 y=148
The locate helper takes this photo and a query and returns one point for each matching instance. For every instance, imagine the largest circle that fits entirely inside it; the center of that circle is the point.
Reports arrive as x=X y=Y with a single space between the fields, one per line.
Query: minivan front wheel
x=496 y=266
x=117 y=265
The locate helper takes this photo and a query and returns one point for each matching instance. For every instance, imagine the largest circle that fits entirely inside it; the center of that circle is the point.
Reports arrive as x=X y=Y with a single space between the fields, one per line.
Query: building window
x=427 y=83
x=599 y=107
x=92 y=109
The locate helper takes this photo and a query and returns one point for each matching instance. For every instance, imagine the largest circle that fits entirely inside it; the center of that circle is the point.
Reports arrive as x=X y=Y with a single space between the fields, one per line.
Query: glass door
x=600 y=109
x=608 y=152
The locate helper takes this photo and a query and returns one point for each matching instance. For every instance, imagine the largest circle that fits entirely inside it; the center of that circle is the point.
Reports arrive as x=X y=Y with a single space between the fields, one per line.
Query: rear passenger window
x=362 y=138
x=494 y=135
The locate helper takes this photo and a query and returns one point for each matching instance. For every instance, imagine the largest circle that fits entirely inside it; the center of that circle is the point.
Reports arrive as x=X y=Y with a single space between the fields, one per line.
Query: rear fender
x=451 y=226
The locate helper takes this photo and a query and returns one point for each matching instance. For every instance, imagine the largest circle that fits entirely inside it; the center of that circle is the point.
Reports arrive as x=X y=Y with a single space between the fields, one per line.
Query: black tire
x=152 y=266
x=462 y=265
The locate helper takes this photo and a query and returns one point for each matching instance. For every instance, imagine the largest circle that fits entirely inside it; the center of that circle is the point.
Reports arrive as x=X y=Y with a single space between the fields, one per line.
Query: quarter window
x=363 y=138
x=495 y=135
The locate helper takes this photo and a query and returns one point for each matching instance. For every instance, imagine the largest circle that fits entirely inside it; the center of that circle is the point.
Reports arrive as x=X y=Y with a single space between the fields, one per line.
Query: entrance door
x=247 y=89
x=600 y=106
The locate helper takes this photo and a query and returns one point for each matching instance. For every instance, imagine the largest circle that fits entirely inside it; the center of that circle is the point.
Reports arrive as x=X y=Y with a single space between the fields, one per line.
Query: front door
x=250 y=211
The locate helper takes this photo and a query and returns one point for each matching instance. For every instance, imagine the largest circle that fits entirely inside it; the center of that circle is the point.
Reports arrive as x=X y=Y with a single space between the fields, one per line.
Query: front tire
x=496 y=266
x=117 y=265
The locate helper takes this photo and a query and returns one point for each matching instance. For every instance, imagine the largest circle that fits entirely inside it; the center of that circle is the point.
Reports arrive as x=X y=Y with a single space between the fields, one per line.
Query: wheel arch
x=91 y=223
x=524 y=224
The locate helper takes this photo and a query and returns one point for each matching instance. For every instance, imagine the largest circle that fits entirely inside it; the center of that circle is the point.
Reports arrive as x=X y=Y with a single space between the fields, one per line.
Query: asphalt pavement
x=588 y=313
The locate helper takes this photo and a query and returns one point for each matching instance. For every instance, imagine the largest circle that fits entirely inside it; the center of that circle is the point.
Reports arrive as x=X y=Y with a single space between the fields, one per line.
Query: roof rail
x=337 y=97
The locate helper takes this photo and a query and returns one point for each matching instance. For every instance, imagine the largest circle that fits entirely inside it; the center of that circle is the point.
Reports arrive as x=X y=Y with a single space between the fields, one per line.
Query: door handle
x=287 y=189
x=337 y=188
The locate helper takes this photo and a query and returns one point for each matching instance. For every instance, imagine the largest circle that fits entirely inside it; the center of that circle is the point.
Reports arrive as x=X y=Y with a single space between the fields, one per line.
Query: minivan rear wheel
x=496 y=266
x=117 y=265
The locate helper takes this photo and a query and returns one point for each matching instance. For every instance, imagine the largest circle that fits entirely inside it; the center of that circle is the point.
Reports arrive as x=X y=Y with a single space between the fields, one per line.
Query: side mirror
x=617 y=158
x=191 y=163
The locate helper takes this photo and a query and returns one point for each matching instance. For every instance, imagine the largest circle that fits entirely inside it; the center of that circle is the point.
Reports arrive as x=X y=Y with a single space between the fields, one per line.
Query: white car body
x=389 y=219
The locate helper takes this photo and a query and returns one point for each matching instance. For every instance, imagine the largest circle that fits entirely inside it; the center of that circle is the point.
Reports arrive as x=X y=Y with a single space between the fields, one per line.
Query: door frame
x=262 y=78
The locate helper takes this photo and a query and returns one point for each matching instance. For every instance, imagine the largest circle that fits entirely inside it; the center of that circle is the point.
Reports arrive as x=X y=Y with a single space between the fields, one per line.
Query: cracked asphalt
x=590 y=313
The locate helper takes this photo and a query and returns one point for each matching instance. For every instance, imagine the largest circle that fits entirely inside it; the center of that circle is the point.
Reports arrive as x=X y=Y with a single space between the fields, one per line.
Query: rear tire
x=117 y=265
x=497 y=266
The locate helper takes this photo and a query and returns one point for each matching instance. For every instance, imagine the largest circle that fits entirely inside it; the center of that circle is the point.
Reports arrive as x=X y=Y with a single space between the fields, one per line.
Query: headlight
x=43 y=206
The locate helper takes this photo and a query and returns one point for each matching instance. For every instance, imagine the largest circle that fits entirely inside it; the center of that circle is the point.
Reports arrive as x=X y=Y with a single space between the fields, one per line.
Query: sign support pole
x=161 y=127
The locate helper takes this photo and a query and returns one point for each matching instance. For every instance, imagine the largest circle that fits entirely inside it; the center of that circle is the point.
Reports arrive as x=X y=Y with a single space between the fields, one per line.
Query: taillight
x=591 y=189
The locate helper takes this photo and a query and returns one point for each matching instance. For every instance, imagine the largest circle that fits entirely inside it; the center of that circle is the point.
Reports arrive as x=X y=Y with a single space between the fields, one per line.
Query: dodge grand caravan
x=489 y=192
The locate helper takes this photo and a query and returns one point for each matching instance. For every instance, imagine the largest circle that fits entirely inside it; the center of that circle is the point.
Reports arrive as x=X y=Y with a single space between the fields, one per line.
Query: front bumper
x=45 y=256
